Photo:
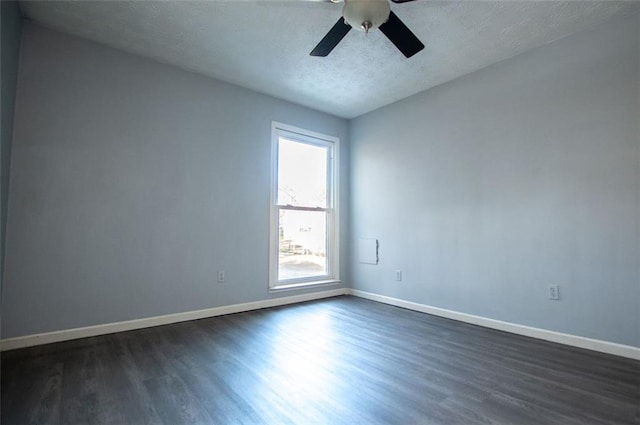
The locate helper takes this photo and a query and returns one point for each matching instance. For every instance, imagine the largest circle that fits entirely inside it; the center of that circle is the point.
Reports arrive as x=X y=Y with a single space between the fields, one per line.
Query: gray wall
x=11 y=28
x=487 y=189
x=132 y=183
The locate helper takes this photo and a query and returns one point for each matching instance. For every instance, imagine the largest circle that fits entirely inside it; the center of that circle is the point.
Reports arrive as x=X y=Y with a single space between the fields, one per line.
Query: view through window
x=303 y=209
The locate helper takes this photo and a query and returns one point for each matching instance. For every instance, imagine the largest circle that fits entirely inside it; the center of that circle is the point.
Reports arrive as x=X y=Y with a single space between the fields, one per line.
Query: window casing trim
x=332 y=208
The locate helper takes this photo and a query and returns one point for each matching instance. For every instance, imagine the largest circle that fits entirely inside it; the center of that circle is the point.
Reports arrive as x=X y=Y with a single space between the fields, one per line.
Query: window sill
x=304 y=285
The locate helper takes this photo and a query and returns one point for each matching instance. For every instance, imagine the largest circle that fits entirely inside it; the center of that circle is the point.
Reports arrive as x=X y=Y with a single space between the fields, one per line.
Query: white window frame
x=333 y=217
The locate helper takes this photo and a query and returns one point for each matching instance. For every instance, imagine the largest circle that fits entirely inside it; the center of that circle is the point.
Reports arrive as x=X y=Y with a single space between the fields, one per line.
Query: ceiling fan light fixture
x=365 y=15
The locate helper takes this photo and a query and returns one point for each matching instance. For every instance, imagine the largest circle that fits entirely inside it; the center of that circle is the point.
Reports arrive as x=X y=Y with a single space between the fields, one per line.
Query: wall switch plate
x=554 y=292
x=398 y=275
x=221 y=276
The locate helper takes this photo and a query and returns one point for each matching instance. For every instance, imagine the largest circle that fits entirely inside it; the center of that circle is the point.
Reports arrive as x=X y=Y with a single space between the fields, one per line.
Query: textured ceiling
x=264 y=44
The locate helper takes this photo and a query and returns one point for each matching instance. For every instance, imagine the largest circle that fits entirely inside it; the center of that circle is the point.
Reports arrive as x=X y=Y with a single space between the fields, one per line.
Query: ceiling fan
x=365 y=15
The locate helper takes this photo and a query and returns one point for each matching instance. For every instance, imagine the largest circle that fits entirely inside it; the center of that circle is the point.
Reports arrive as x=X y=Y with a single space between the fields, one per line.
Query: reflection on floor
x=337 y=361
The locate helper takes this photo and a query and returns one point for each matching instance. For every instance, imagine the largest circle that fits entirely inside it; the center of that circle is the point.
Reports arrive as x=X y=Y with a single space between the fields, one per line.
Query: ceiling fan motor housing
x=365 y=15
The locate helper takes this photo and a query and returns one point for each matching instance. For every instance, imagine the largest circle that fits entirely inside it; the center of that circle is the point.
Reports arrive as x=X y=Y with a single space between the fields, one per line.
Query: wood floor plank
x=343 y=360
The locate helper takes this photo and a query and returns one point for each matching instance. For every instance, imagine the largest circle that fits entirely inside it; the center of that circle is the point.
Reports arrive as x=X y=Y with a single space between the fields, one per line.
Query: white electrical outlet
x=221 y=276
x=554 y=292
x=398 y=275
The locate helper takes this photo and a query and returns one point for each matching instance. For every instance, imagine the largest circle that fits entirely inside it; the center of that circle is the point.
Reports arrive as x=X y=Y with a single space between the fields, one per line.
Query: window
x=304 y=213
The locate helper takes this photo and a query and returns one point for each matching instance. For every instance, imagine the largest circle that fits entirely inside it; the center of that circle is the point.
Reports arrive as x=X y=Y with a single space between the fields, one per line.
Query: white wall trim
x=107 y=328
x=547 y=335
x=621 y=350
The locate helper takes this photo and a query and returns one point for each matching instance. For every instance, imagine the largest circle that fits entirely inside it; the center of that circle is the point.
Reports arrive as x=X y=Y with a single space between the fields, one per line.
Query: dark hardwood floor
x=338 y=361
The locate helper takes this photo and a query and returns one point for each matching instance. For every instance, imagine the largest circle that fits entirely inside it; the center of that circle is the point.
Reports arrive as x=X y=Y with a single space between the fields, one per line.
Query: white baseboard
x=561 y=338
x=558 y=337
x=68 y=334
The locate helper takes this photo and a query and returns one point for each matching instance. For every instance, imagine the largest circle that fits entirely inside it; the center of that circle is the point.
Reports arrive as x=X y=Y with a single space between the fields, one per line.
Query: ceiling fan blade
x=401 y=1
x=401 y=36
x=331 y=40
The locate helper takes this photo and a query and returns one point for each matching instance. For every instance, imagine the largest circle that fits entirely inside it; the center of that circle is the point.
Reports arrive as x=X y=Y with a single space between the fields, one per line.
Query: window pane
x=303 y=244
x=302 y=174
